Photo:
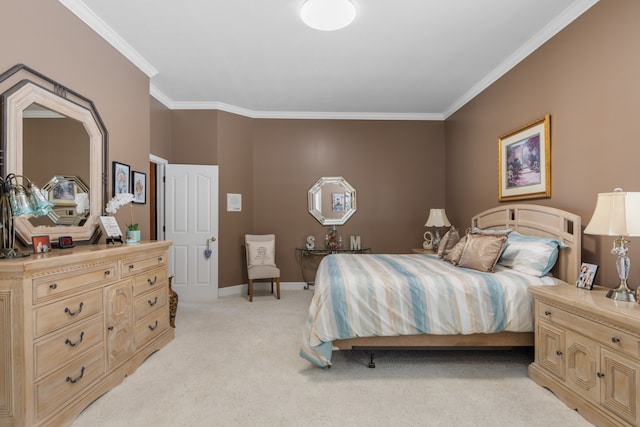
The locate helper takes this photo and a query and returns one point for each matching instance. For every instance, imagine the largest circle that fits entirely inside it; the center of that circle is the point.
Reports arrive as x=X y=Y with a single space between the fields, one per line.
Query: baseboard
x=242 y=289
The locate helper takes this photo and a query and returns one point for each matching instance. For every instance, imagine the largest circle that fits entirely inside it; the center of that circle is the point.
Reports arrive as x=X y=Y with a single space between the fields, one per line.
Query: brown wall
x=588 y=79
x=50 y=39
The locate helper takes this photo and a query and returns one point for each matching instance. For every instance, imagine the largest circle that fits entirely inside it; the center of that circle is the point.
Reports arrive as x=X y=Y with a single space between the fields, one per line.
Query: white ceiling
x=400 y=59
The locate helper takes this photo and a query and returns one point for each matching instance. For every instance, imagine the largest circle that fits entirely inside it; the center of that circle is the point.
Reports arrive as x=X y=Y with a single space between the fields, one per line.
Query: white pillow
x=261 y=253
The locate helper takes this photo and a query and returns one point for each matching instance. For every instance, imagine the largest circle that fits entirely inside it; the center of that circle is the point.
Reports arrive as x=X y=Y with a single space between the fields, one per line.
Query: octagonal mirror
x=332 y=200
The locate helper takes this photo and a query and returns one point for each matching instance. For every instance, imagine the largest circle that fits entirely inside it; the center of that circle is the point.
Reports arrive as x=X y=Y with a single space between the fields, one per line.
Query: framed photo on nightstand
x=586 y=275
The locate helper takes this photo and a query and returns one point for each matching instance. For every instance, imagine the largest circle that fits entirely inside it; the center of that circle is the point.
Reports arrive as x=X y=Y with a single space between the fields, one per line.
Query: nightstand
x=588 y=352
x=423 y=251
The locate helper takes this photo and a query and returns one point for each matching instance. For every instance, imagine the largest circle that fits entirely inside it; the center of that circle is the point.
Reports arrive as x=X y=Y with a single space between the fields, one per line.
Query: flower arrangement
x=122 y=199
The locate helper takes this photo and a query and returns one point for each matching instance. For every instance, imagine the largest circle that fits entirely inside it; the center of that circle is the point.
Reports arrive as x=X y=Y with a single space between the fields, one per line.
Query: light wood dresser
x=74 y=323
x=588 y=352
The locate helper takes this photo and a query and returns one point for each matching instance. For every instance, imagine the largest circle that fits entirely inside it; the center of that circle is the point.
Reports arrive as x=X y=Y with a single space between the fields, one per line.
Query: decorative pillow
x=448 y=241
x=530 y=254
x=481 y=251
x=261 y=253
x=453 y=256
x=476 y=230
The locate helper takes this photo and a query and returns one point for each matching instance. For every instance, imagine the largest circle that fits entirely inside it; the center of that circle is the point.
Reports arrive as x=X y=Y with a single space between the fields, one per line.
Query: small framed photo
x=120 y=178
x=41 y=244
x=139 y=187
x=586 y=275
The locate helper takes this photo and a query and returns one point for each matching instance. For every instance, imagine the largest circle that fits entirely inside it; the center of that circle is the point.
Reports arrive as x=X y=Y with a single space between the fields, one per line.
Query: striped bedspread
x=388 y=295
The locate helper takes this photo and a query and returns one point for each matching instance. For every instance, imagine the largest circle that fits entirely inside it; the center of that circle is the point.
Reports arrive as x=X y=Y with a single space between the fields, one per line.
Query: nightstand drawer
x=607 y=335
x=54 y=316
x=147 y=303
x=54 y=351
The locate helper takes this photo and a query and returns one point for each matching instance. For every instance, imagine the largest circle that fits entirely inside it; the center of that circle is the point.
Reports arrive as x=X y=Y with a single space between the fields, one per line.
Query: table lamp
x=437 y=218
x=617 y=214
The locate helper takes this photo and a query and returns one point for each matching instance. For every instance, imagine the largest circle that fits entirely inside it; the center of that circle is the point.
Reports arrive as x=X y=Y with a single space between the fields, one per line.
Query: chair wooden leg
x=250 y=290
x=271 y=285
x=278 y=287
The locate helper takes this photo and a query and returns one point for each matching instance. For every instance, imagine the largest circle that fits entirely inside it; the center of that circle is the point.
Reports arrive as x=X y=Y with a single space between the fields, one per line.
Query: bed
x=381 y=301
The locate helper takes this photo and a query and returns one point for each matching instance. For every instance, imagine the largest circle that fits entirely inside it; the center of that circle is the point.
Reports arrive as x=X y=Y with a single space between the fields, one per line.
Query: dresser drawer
x=607 y=335
x=54 y=351
x=143 y=262
x=152 y=301
x=63 y=385
x=153 y=279
x=61 y=284
x=66 y=312
x=151 y=326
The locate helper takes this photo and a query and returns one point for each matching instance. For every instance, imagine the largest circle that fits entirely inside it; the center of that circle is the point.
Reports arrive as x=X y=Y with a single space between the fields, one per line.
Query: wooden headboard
x=542 y=221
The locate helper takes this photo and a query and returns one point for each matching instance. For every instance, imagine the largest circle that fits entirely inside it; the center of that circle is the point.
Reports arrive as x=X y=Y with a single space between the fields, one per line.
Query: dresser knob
x=600 y=375
x=154 y=302
x=547 y=313
x=559 y=353
x=110 y=328
x=152 y=282
x=107 y=272
x=615 y=340
x=152 y=328
x=53 y=286
x=131 y=266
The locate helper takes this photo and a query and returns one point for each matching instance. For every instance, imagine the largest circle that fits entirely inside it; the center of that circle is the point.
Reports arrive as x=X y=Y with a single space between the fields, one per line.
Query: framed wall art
x=139 y=187
x=524 y=162
x=586 y=275
x=120 y=178
x=41 y=244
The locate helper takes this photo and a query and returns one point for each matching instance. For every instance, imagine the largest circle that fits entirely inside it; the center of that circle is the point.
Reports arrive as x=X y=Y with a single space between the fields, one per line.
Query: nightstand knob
x=600 y=375
x=547 y=313
x=615 y=340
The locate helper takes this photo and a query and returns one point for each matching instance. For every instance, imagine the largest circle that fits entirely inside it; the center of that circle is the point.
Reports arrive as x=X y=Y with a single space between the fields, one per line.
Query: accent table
x=310 y=259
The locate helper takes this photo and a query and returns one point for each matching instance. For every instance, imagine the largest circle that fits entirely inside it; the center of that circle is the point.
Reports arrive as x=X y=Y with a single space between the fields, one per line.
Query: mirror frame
x=315 y=200
x=50 y=94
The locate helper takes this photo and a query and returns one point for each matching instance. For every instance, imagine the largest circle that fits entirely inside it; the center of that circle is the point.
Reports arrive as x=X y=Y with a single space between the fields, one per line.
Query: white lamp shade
x=616 y=214
x=437 y=218
x=327 y=15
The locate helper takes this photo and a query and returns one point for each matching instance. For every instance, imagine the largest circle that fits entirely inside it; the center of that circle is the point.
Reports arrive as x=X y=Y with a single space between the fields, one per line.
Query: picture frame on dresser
x=586 y=276
x=41 y=244
x=524 y=162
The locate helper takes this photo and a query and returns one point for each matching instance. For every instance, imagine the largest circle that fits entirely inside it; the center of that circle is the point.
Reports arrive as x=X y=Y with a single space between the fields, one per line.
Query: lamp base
x=622 y=294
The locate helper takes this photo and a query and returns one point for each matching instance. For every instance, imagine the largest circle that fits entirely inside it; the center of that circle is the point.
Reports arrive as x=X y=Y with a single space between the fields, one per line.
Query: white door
x=191 y=220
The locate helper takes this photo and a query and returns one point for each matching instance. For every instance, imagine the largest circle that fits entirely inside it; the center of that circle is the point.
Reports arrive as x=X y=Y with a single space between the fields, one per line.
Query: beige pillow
x=453 y=256
x=482 y=251
x=448 y=241
x=261 y=253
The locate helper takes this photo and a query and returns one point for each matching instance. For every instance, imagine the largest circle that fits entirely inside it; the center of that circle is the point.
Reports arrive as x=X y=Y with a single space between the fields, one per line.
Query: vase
x=133 y=237
x=173 y=304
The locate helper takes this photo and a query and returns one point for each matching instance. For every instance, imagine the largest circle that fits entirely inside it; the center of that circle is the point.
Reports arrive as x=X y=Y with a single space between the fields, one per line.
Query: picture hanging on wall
x=120 y=178
x=139 y=187
x=524 y=162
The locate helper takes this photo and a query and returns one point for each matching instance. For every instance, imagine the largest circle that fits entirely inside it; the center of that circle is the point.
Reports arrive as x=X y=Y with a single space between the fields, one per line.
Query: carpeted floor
x=235 y=363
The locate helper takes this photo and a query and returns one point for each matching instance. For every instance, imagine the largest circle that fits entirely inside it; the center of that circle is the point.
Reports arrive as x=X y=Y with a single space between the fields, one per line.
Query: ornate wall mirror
x=55 y=137
x=332 y=200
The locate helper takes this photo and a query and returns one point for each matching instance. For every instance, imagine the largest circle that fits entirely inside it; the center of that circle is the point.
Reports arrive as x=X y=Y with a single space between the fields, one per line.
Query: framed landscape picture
x=524 y=162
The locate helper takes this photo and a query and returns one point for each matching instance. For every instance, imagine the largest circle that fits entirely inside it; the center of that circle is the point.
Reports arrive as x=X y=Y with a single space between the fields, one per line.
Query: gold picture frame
x=524 y=162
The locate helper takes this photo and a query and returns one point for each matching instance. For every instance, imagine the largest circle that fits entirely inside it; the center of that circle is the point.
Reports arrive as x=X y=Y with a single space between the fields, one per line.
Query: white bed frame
x=527 y=219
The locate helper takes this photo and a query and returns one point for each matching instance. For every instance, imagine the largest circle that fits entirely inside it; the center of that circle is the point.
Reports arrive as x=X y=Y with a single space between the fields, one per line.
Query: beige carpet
x=235 y=363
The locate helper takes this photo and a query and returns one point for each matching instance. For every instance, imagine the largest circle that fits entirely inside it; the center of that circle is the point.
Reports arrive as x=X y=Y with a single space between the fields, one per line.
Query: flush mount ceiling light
x=327 y=15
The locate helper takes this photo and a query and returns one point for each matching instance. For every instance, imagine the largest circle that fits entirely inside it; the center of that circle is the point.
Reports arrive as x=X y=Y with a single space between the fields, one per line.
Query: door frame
x=160 y=196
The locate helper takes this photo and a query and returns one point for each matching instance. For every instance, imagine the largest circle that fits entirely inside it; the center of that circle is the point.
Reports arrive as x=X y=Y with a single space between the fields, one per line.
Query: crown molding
x=94 y=22
x=554 y=27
